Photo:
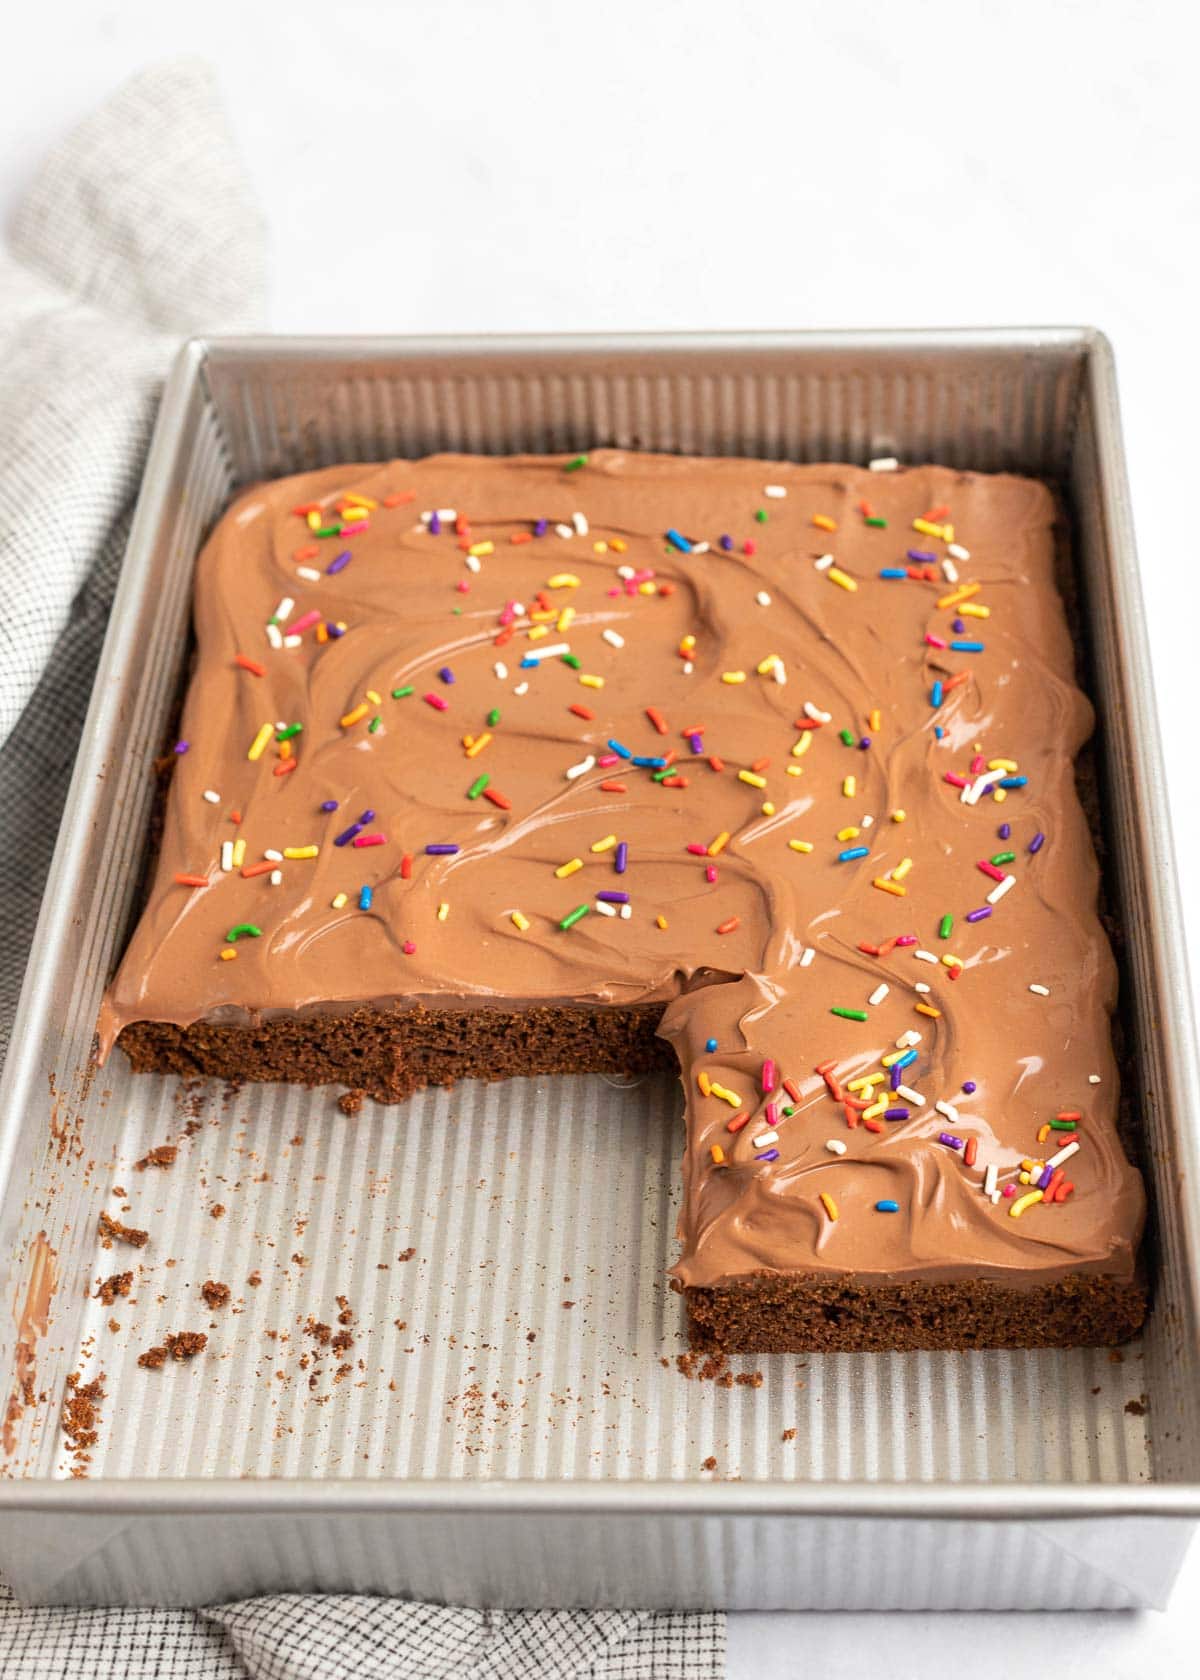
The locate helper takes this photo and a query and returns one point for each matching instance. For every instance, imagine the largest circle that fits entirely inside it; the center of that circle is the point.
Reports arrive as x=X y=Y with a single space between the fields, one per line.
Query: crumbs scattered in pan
x=161 y=1156
x=111 y=1231
x=109 y=1288
x=81 y=1419
x=215 y=1294
x=184 y=1345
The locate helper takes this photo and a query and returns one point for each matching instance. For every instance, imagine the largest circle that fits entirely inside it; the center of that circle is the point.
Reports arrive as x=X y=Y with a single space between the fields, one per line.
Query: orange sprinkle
x=520 y=537
x=970 y=1152
x=250 y=870
x=192 y=880
x=864 y=507
x=937 y=514
x=660 y=921
x=1043 y=1132
x=248 y=664
x=728 y=926
x=738 y=1121
x=498 y=798
x=286 y=765
x=717 y=763
x=759 y=765
x=584 y=712
x=928 y=1009
x=657 y=719
x=235 y=816
x=718 y=1155
x=309 y=552
x=613 y=787
x=228 y=954
x=892 y=887
x=823 y=522
x=1069 y=1114
x=406 y=867
x=399 y=498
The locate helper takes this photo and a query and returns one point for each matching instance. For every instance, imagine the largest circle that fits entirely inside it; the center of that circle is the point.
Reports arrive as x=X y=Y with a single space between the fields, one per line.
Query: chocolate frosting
x=664 y=577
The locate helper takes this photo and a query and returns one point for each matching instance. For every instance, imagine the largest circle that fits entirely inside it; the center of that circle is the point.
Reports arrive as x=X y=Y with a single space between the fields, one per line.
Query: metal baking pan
x=485 y=1443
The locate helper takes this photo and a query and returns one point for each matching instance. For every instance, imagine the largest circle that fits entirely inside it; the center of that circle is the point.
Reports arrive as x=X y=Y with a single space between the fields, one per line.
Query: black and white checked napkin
x=140 y=229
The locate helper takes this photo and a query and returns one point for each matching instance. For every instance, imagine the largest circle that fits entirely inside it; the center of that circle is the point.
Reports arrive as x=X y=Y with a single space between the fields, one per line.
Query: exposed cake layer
x=788 y=750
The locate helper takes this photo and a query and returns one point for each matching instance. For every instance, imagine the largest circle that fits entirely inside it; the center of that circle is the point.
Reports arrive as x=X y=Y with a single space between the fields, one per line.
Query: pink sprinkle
x=768 y=1076
x=955 y=781
x=710 y=874
x=1009 y=1190
x=349 y=530
x=408 y=948
x=434 y=700
x=369 y=839
x=977 y=764
x=907 y=939
x=991 y=870
x=696 y=848
x=607 y=760
x=300 y=624
x=771 y=1114
x=934 y=641
x=509 y=613
x=463 y=587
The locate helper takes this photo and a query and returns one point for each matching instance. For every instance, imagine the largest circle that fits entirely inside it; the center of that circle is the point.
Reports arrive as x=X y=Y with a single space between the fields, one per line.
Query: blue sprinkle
x=907 y=1060
x=710 y=1044
x=893 y=572
x=887 y=1207
x=938 y=731
x=1013 y=781
x=853 y=852
x=648 y=763
x=530 y=660
x=676 y=541
x=967 y=647
x=620 y=750
x=365 y=895
x=935 y=694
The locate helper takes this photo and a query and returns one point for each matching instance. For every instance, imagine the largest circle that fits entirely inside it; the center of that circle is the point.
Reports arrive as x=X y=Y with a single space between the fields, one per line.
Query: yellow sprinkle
x=867 y=1080
x=951 y=961
x=948 y=531
x=477 y=745
x=258 y=745
x=565 y=869
x=338 y=902
x=875 y=721
x=543 y=615
x=314 y=521
x=1009 y=764
x=752 y=779
x=1025 y=1177
x=767 y=808
x=892 y=887
x=479 y=549
x=565 y=619
x=228 y=954
x=717 y=846
x=239 y=853
x=823 y=522
x=733 y=676
x=842 y=579
x=660 y=921
x=295 y=852
x=599 y=548
x=605 y=845
x=374 y=698
x=563 y=580
x=999 y=795
x=893 y=1056
x=828 y=1203
x=849 y=787
x=731 y=1097
x=1022 y=1202
x=647 y=588
x=521 y=923
x=704 y=1083
x=718 y=1155
x=848 y=833
x=355 y=716
x=443 y=910
x=801 y=746
x=686 y=644
x=969 y=609
x=800 y=845
x=901 y=869
x=795 y=769
x=767 y=665
x=618 y=544
x=876 y=1109
x=538 y=631
x=1043 y=1132
x=899 y=815
x=957 y=595
x=928 y=1009
x=928 y=530
x=591 y=682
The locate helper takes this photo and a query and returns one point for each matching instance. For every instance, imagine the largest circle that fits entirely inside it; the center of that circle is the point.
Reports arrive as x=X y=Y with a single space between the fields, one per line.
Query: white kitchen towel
x=140 y=229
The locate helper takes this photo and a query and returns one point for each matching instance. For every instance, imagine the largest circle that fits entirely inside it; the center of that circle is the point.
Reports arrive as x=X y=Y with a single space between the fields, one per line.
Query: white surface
x=548 y=166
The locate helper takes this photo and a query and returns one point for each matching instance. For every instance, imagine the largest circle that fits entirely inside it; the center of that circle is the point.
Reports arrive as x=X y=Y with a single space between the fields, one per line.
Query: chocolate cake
x=531 y=765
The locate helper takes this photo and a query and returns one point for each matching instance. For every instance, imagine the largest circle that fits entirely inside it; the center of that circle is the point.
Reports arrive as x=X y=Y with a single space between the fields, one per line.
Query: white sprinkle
x=1042 y=991
x=763 y=599
x=991 y=1174
x=995 y=1197
x=309 y=573
x=974 y=791
x=884 y=463
x=227 y=855
x=500 y=670
x=777 y=491
x=566 y=532
x=292 y=641
x=626 y=912
x=865 y=820
x=998 y=891
x=701 y=548
x=272 y=856
x=949 y=1110
x=922 y=986
x=835 y=1146
x=688 y=667
x=779 y=672
x=1093 y=1079
x=605 y=909
x=613 y=638
x=275 y=877
x=764 y=1139
x=908 y=1039
x=956 y=551
x=806 y=956
x=521 y=688
x=472 y=562
x=275 y=635
x=1064 y=1154
x=519 y=608
x=880 y=992
x=447 y=514
x=283 y=610
x=824 y=563
x=580 y=523
x=625 y=572
x=949 y=571
x=540 y=653
x=909 y=1095
x=213 y=798
x=582 y=768
x=815 y=712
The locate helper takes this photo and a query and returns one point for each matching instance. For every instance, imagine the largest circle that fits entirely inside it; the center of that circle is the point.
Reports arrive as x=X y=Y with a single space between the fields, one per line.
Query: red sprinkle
x=287 y=765
x=309 y=552
x=248 y=664
x=717 y=763
x=869 y=950
x=584 y=712
x=990 y=869
x=399 y=498
x=1056 y=1178
x=851 y=1113
x=506 y=635
x=250 y=870
x=792 y=1089
x=657 y=719
x=738 y=1121
x=970 y=1152
x=194 y=880
x=406 y=867
x=674 y=781
x=498 y=798
x=1063 y=1191
x=521 y=537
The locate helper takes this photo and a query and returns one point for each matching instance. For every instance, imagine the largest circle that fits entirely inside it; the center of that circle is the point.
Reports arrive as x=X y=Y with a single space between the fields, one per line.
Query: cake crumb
x=710 y=1463
x=111 y=1230
x=406 y=1254
x=163 y=1155
x=153 y=1359
x=186 y=1344
x=749 y=1379
x=1138 y=1407
x=81 y=1415
x=217 y=1210
x=215 y=1294
x=568 y=1303
x=351 y=1102
x=788 y=1435
x=254 y=1279
x=119 y=1283
x=1115 y=1356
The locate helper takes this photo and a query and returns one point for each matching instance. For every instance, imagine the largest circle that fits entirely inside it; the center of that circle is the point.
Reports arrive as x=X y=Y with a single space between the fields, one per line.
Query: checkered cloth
x=139 y=229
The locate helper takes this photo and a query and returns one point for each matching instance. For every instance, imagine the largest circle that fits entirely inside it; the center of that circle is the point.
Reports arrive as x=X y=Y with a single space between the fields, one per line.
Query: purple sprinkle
x=958 y=627
x=622 y=857
x=899 y=1114
x=329 y=804
x=347 y=834
x=921 y=554
x=1004 y=830
x=907 y=939
x=181 y=746
x=949 y=1139
x=338 y=563
x=335 y=630
x=1038 y=841
x=980 y=915
x=696 y=742
x=771 y=1155
x=1044 y=1177
x=864 y=743
x=367 y=816
x=726 y=543
x=435 y=524
x=440 y=851
x=446 y=674
x=970 y=1087
x=613 y=897
x=895 y=1077
x=541 y=527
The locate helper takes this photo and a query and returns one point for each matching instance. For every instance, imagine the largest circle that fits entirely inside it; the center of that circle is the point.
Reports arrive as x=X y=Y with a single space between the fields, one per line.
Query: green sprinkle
x=477 y=786
x=1005 y=857
x=328 y=531
x=244 y=930
x=457 y=612
x=849 y=1014
x=1063 y=1125
x=944 y=926
x=761 y=516
x=571 y=659
x=402 y=693
x=661 y=775
x=578 y=914
x=574 y=464
x=879 y=524
x=286 y=734
x=493 y=718
x=788 y=1111
x=845 y=737
x=374 y=724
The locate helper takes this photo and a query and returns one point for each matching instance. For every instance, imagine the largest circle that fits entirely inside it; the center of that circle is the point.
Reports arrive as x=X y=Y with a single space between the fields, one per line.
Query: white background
x=561 y=166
